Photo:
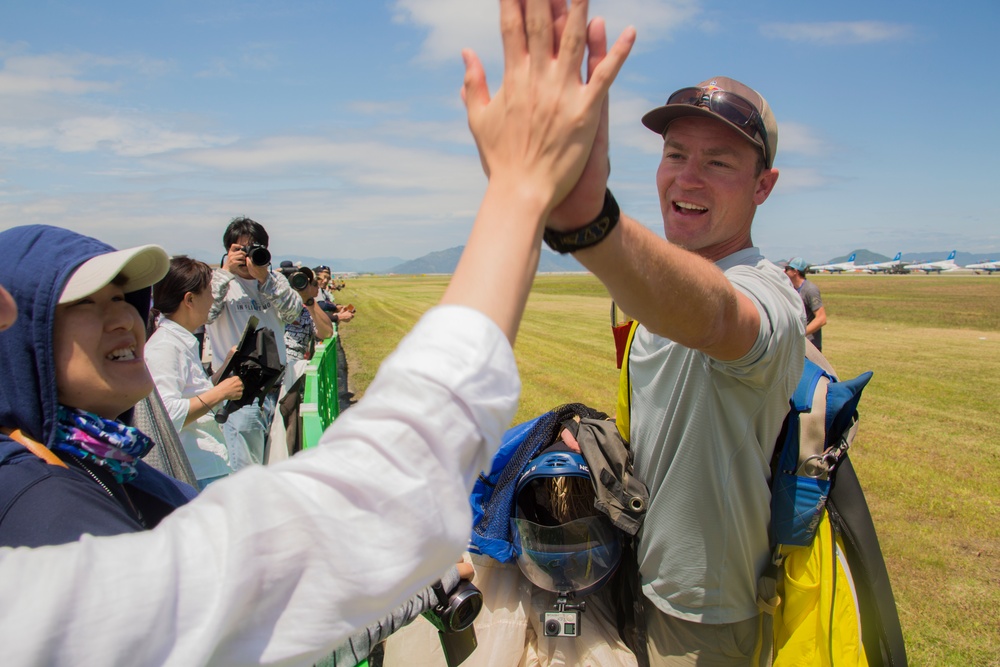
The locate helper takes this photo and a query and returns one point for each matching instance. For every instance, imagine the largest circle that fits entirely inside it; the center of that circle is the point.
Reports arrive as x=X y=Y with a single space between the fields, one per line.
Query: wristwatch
x=310 y=301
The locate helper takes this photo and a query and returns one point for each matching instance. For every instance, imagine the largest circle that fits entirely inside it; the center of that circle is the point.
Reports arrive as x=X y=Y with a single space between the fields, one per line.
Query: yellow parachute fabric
x=818 y=621
x=624 y=407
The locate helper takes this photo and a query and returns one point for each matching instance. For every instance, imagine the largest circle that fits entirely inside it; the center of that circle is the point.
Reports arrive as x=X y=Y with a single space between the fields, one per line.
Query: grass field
x=927 y=453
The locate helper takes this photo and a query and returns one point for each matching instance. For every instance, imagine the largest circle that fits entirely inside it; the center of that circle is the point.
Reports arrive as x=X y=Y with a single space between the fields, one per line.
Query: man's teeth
x=690 y=207
x=125 y=353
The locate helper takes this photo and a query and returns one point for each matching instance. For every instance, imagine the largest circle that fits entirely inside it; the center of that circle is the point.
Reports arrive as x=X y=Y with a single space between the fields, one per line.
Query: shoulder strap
x=805 y=430
x=33 y=446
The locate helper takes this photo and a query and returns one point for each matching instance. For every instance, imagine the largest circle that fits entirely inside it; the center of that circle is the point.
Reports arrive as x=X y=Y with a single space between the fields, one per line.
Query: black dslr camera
x=453 y=616
x=258 y=254
x=298 y=278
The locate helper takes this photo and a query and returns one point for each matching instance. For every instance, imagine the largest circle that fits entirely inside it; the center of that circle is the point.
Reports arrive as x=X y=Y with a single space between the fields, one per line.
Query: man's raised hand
x=537 y=132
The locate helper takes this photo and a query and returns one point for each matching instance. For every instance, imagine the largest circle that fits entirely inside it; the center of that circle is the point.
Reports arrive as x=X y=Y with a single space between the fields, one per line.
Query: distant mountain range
x=441 y=261
x=445 y=261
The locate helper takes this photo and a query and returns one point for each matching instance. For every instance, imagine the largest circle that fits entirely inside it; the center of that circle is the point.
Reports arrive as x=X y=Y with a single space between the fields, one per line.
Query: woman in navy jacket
x=73 y=366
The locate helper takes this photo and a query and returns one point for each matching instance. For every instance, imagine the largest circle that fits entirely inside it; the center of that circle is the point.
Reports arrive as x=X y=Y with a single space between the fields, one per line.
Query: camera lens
x=299 y=281
x=259 y=255
x=463 y=607
x=551 y=628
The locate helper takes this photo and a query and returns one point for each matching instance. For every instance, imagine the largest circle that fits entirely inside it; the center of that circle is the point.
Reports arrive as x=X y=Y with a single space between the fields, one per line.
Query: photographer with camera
x=339 y=315
x=246 y=287
x=300 y=342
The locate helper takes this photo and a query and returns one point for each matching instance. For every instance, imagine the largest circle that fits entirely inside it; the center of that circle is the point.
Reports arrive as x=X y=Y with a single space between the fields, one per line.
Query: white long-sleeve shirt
x=171 y=355
x=280 y=565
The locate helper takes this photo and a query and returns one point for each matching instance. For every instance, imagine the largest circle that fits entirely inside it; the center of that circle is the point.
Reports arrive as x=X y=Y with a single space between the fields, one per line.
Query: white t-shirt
x=280 y=564
x=172 y=358
x=703 y=432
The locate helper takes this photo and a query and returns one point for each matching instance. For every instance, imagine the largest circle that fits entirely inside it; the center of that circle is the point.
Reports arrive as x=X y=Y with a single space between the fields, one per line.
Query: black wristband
x=591 y=234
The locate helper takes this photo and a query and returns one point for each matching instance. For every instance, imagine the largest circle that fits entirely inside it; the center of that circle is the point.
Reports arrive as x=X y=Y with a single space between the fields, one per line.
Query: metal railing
x=320 y=399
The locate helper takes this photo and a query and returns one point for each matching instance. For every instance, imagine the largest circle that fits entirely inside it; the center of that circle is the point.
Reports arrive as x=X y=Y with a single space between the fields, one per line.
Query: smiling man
x=713 y=362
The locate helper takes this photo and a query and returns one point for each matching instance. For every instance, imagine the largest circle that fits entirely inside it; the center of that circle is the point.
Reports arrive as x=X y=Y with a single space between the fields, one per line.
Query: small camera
x=453 y=616
x=561 y=623
x=258 y=254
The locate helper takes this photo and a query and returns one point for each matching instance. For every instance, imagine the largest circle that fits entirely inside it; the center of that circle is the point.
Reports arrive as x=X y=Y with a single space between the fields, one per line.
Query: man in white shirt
x=245 y=288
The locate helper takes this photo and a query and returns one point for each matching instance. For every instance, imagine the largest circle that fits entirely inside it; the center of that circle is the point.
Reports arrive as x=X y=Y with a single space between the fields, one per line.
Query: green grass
x=927 y=453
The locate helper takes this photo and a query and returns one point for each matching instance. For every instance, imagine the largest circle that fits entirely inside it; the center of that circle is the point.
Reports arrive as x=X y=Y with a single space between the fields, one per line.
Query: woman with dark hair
x=180 y=302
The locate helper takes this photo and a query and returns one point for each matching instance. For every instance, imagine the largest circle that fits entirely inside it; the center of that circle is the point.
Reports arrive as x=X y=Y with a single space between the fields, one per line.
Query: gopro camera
x=561 y=623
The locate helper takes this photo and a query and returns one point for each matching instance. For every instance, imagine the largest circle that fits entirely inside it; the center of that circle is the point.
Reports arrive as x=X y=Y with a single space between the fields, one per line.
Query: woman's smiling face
x=98 y=350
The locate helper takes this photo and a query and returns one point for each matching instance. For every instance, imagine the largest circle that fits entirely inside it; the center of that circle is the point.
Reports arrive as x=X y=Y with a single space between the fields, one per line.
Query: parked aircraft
x=937 y=267
x=893 y=264
x=989 y=267
x=836 y=268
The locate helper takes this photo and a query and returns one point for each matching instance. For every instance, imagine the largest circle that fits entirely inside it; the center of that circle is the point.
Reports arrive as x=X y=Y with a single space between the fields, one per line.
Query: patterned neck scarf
x=106 y=442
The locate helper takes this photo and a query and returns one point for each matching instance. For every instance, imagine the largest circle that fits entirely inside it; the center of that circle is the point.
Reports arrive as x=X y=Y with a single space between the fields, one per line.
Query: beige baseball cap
x=141 y=267
x=660 y=118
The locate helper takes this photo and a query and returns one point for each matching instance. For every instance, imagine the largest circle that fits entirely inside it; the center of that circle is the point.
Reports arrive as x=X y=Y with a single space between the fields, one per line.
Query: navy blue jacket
x=40 y=503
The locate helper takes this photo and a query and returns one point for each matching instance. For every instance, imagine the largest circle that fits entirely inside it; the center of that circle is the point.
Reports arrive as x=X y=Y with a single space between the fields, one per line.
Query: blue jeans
x=247 y=431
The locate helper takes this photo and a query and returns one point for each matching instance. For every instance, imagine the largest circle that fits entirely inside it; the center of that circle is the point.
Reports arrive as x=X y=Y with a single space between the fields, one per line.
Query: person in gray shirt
x=811 y=299
x=716 y=354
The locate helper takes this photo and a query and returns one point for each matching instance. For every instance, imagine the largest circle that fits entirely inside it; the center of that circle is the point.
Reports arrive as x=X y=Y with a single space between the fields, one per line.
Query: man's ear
x=765 y=184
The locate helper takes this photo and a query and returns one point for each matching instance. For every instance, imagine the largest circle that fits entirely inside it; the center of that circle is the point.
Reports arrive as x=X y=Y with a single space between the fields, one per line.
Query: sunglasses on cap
x=734 y=108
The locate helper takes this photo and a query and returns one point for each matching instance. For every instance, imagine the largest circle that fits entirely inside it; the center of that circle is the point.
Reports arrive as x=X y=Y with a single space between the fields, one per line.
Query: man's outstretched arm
x=533 y=137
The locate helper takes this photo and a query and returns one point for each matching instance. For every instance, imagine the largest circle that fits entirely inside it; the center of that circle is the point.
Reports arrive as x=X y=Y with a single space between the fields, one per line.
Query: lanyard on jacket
x=33 y=446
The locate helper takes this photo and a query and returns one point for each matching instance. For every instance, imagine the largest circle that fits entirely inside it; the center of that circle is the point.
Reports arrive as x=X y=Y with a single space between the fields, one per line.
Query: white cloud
x=50 y=74
x=133 y=137
x=838 y=32
x=626 y=129
x=796 y=179
x=800 y=139
x=654 y=21
x=50 y=102
x=453 y=25
x=456 y=24
x=123 y=134
x=369 y=164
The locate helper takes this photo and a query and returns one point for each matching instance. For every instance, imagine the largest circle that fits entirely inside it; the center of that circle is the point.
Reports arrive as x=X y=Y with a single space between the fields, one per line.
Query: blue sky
x=338 y=124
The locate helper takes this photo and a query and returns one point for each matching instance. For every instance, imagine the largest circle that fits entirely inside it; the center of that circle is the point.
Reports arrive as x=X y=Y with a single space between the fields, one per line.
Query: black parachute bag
x=256 y=362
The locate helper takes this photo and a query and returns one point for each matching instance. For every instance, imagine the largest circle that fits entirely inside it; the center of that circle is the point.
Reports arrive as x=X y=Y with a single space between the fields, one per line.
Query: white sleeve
x=281 y=564
x=166 y=365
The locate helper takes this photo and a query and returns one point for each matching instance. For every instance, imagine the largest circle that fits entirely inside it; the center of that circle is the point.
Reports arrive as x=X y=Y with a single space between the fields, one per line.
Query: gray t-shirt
x=812 y=302
x=703 y=432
